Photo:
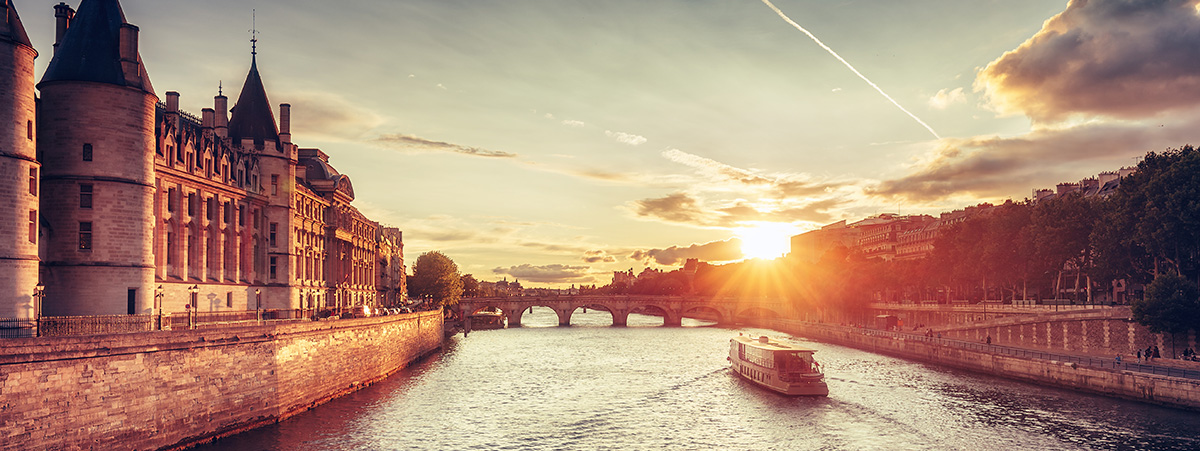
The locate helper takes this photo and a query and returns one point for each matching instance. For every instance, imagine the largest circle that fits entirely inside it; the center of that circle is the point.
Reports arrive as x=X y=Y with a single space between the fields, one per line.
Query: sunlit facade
x=131 y=205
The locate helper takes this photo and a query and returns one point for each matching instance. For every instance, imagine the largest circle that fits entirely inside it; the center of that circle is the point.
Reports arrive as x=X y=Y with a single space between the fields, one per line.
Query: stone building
x=20 y=171
x=130 y=205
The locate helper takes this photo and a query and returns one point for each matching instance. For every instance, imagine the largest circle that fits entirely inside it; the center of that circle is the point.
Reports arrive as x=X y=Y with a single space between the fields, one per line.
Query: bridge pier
x=672 y=320
x=514 y=316
x=620 y=317
x=564 y=317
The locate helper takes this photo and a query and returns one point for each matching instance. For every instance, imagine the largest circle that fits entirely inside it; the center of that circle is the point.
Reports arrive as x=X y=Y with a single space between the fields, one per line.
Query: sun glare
x=767 y=240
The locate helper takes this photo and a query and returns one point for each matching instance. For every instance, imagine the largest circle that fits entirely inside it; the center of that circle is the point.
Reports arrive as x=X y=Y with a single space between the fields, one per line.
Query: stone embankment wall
x=164 y=390
x=1163 y=390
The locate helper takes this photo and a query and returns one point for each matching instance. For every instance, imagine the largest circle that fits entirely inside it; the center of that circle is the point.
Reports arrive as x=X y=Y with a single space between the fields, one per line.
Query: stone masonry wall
x=1156 y=389
x=164 y=390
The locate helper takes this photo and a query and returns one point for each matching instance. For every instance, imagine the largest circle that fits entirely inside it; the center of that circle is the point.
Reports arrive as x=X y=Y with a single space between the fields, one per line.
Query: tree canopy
x=1171 y=305
x=435 y=278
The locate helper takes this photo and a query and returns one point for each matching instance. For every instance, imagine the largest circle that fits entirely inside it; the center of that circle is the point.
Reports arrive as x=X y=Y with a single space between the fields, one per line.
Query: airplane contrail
x=852 y=69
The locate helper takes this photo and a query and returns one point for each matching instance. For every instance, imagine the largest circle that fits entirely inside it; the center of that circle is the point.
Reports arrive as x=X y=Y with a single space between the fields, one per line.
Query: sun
x=766 y=240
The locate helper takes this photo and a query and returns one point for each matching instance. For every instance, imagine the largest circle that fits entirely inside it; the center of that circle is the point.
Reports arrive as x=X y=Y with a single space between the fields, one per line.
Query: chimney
x=172 y=102
x=206 y=118
x=129 y=54
x=63 y=15
x=222 y=106
x=285 y=123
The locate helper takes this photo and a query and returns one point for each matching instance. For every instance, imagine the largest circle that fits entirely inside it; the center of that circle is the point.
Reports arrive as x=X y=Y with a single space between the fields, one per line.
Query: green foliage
x=1171 y=305
x=470 y=286
x=435 y=277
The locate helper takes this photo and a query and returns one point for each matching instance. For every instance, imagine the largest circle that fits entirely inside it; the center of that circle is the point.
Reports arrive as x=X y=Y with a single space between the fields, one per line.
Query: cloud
x=943 y=99
x=598 y=256
x=1111 y=58
x=776 y=185
x=995 y=167
x=625 y=138
x=682 y=208
x=547 y=273
x=715 y=251
x=326 y=116
x=573 y=123
x=715 y=168
x=415 y=143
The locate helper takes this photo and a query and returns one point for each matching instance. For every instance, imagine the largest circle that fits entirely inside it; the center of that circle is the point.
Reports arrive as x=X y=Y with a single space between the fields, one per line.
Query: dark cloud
x=716 y=251
x=410 y=142
x=547 y=273
x=1004 y=167
x=677 y=207
x=1114 y=58
x=598 y=256
x=683 y=208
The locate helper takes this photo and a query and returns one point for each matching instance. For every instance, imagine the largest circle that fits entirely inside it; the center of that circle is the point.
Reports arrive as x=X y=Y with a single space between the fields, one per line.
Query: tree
x=435 y=278
x=470 y=286
x=1062 y=229
x=1171 y=305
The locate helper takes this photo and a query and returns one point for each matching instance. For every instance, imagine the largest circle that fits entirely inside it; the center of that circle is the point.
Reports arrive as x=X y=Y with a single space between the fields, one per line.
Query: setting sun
x=766 y=240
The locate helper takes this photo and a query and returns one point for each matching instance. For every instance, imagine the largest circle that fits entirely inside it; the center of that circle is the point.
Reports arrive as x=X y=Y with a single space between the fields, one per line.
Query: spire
x=252 y=116
x=10 y=25
x=100 y=46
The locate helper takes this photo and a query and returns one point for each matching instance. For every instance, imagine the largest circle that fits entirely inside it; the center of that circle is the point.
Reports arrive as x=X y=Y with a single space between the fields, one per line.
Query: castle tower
x=252 y=127
x=20 y=172
x=96 y=141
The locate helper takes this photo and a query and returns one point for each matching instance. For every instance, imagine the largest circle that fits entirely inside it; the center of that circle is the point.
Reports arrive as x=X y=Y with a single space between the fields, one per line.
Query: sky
x=556 y=141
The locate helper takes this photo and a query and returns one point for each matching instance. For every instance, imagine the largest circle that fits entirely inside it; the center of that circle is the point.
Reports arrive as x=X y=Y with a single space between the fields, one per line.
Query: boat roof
x=769 y=344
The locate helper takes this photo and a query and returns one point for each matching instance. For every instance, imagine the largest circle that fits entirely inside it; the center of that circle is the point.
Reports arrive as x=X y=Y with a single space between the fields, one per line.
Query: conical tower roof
x=252 y=117
x=10 y=25
x=90 y=51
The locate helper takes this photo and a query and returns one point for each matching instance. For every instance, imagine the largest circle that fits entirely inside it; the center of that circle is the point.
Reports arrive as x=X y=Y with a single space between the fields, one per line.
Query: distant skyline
x=555 y=141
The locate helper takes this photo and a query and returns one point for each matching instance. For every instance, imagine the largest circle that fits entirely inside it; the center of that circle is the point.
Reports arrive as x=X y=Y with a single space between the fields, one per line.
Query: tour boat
x=778 y=366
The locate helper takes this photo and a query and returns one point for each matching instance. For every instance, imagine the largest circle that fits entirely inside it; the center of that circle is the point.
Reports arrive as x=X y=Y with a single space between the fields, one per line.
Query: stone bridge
x=671 y=308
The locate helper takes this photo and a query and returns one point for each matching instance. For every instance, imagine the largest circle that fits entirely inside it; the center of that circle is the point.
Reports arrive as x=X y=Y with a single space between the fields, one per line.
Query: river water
x=596 y=387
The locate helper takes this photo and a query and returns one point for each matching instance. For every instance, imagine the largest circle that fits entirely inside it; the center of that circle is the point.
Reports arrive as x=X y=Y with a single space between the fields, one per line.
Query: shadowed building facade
x=140 y=207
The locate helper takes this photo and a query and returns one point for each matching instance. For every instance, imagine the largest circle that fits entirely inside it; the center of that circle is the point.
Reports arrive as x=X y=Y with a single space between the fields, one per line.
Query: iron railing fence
x=63 y=326
x=18 y=327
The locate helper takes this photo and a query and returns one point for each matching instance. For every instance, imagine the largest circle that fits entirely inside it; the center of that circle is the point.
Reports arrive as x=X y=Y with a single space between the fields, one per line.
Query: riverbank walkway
x=1176 y=368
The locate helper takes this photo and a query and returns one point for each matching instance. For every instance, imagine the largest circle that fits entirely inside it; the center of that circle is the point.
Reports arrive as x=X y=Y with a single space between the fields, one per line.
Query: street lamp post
x=39 y=292
x=195 y=291
x=258 y=304
x=158 y=297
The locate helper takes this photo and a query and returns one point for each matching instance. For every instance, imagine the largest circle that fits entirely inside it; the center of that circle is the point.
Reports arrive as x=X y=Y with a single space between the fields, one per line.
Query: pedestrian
x=1139 y=356
x=1156 y=354
x=1118 y=358
x=1149 y=354
x=989 y=339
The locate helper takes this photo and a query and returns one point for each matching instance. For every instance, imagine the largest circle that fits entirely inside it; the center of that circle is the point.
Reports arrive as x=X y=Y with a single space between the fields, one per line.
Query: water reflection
x=593 y=386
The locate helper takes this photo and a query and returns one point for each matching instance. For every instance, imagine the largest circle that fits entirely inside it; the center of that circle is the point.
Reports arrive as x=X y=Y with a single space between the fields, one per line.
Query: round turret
x=20 y=172
x=96 y=138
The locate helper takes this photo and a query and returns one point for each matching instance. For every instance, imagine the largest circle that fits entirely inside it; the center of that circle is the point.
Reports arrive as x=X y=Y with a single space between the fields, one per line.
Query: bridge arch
x=756 y=312
x=670 y=316
x=519 y=309
x=705 y=311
